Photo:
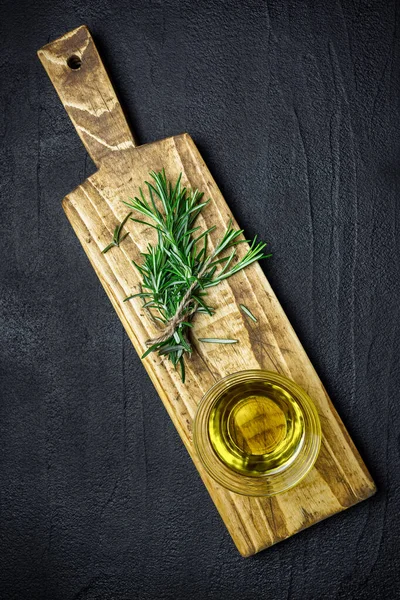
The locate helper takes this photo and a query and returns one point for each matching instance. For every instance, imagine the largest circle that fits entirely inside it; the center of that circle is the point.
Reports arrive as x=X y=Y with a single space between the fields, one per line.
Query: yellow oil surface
x=256 y=428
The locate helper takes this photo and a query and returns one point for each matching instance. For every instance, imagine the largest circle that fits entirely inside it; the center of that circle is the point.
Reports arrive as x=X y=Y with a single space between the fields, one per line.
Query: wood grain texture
x=88 y=96
x=339 y=478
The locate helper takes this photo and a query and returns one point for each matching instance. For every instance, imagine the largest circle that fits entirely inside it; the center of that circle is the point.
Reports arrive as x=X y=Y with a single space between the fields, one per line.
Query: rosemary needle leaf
x=169 y=349
x=248 y=312
x=218 y=340
x=182 y=364
x=120 y=226
x=107 y=248
x=140 y=295
x=151 y=349
x=115 y=235
x=116 y=240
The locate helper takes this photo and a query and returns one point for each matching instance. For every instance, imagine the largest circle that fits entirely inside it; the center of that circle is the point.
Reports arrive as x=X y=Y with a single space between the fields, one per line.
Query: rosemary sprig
x=117 y=235
x=178 y=270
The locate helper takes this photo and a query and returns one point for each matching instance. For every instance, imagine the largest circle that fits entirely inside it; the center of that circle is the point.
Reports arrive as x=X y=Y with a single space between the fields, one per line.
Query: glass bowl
x=257 y=433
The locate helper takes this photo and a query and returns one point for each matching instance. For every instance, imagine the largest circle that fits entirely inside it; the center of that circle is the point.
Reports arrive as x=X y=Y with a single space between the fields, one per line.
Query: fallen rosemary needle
x=248 y=312
x=177 y=271
x=117 y=235
x=218 y=340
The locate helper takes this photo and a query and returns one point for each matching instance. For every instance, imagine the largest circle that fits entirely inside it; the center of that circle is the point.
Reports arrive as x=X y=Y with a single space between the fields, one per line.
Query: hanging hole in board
x=74 y=62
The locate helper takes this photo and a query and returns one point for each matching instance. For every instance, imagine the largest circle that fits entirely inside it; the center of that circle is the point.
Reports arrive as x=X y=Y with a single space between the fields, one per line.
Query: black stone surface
x=295 y=107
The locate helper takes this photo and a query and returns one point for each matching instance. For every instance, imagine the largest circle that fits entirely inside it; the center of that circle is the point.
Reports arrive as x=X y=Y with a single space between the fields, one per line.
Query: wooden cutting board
x=339 y=478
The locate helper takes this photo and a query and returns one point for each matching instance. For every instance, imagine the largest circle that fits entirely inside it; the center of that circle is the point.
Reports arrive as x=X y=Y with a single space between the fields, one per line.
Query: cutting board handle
x=78 y=74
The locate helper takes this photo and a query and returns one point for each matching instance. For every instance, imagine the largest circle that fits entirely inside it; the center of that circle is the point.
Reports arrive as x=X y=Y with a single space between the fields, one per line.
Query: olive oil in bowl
x=257 y=433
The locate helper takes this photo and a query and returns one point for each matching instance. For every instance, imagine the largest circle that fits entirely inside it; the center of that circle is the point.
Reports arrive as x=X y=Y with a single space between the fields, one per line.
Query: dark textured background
x=295 y=107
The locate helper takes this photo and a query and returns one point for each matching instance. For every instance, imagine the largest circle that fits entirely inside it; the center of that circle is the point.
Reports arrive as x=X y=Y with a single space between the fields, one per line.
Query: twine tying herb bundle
x=178 y=270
